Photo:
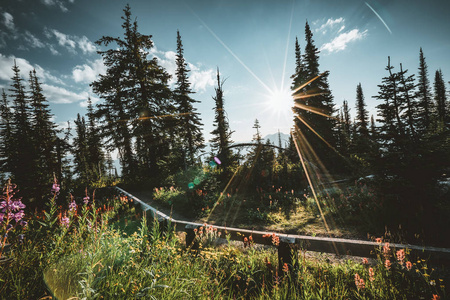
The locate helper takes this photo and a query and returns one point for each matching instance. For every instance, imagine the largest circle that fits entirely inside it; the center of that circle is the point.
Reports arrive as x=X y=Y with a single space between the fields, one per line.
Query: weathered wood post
x=191 y=242
x=287 y=250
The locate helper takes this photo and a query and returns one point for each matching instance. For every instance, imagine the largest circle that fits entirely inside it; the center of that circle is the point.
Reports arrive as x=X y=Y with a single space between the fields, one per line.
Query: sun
x=280 y=101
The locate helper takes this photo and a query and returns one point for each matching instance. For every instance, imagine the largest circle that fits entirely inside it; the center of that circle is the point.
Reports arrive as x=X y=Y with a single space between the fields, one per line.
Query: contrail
x=381 y=19
x=231 y=52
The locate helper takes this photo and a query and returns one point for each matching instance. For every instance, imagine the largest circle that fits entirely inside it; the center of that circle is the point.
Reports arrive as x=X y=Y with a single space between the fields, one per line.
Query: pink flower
x=401 y=256
x=387 y=264
x=408 y=265
x=371 y=274
x=365 y=261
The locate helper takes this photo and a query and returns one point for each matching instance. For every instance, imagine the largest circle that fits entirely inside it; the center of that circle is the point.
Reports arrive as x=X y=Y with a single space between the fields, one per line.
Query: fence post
x=190 y=237
x=287 y=249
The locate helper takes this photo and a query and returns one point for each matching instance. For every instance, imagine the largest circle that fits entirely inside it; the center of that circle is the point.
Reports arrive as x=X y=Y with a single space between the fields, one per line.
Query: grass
x=112 y=251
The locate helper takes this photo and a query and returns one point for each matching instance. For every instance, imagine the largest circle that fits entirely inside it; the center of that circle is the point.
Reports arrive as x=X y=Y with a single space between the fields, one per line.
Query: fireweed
x=11 y=213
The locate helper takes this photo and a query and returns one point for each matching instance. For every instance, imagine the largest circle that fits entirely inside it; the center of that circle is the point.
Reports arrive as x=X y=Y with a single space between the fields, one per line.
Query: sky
x=251 y=42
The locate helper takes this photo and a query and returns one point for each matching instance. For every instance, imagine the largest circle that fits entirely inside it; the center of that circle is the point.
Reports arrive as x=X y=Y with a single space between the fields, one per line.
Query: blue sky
x=252 y=43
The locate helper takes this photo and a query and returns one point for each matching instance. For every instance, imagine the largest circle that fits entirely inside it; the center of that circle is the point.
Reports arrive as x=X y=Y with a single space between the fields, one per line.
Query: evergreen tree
x=440 y=97
x=22 y=162
x=5 y=135
x=221 y=140
x=257 y=136
x=423 y=96
x=361 y=112
x=406 y=88
x=80 y=152
x=190 y=124
x=136 y=95
x=96 y=157
x=391 y=131
x=314 y=106
x=44 y=136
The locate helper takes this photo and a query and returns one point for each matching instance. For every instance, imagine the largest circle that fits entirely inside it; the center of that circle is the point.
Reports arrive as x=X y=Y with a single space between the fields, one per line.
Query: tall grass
x=105 y=249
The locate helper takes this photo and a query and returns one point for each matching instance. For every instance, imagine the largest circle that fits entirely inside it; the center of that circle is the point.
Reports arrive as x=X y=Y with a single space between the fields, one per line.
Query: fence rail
x=289 y=243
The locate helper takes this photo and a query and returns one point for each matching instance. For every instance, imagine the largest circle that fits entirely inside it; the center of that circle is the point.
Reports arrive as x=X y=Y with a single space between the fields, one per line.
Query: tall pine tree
x=189 y=119
x=423 y=96
x=221 y=140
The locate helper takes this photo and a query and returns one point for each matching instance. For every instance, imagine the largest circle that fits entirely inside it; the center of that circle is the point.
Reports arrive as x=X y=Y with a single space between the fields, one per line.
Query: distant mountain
x=274 y=138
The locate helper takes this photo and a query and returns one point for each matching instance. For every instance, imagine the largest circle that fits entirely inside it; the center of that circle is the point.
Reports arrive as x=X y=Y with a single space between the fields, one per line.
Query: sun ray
x=313 y=110
x=308 y=82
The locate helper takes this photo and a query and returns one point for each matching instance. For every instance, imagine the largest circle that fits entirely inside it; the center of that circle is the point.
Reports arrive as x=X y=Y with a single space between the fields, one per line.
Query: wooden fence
x=288 y=244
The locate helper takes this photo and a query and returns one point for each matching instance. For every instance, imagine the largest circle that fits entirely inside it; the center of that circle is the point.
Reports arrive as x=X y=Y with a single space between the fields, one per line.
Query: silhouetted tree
x=221 y=140
x=189 y=120
x=440 y=97
x=423 y=96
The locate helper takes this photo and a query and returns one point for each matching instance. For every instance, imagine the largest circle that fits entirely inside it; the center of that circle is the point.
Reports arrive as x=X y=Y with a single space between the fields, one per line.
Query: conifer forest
x=343 y=171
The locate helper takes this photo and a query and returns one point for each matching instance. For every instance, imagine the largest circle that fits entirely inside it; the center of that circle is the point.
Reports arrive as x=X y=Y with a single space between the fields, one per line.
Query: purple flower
x=2 y=215
x=55 y=187
x=65 y=221
x=72 y=206
x=18 y=216
x=86 y=200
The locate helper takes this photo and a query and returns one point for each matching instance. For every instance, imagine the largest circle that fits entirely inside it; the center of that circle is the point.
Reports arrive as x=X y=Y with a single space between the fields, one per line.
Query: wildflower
x=72 y=206
x=359 y=282
x=65 y=221
x=379 y=240
x=436 y=297
x=387 y=264
x=86 y=200
x=371 y=274
x=401 y=256
x=408 y=265
x=285 y=268
x=432 y=282
x=365 y=261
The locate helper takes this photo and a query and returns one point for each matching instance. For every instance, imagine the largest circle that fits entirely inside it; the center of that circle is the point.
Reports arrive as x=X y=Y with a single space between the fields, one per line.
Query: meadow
x=100 y=246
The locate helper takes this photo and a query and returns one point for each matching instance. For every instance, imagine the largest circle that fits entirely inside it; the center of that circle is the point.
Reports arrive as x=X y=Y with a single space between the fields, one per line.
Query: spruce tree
x=361 y=112
x=22 y=161
x=96 y=157
x=440 y=98
x=44 y=135
x=221 y=140
x=189 y=119
x=81 y=153
x=406 y=88
x=5 y=134
x=137 y=97
x=423 y=96
x=314 y=106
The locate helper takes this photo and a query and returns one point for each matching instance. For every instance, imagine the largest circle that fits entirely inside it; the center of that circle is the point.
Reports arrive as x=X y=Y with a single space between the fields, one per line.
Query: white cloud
x=60 y=95
x=330 y=24
x=52 y=49
x=64 y=40
x=58 y=3
x=70 y=42
x=6 y=73
x=199 y=79
x=32 y=40
x=86 y=45
x=340 y=42
x=8 y=21
x=342 y=28
x=87 y=73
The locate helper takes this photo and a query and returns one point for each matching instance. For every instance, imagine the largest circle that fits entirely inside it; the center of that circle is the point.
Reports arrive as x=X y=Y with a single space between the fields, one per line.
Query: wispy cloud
x=71 y=42
x=8 y=21
x=87 y=73
x=329 y=24
x=58 y=3
x=32 y=40
x=340 y=42
x=61 y=95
